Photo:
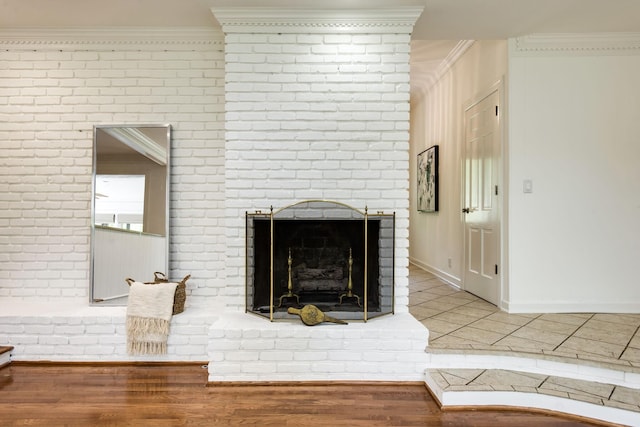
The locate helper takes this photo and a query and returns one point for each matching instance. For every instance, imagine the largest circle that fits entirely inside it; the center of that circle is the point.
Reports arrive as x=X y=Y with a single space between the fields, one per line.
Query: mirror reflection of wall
x=119 y=201
x=130 y=209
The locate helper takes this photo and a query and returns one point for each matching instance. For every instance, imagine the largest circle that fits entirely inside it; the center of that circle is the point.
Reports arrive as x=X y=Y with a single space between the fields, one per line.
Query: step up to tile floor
x=603 y=401
x=585 y=364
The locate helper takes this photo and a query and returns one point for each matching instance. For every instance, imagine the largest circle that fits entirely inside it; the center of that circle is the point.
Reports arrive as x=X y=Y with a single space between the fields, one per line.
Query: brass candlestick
x=349 y=293
x=289 y=293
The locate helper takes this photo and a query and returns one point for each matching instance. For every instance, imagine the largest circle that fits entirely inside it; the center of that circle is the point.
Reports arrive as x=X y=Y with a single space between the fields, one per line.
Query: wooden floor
x=177 y=395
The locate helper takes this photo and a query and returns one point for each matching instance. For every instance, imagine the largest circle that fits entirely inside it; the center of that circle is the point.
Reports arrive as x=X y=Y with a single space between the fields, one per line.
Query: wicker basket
x=181 y=290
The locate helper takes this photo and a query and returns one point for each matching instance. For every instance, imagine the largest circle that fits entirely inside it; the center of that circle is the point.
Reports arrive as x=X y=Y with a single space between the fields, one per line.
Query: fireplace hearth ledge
x=243 y=347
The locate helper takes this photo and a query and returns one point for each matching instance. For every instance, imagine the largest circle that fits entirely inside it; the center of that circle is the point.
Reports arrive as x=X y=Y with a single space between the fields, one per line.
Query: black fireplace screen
x=322 y=253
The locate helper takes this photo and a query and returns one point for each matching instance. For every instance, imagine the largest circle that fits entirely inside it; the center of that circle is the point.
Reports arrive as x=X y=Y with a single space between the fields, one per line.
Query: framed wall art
x=428 y=180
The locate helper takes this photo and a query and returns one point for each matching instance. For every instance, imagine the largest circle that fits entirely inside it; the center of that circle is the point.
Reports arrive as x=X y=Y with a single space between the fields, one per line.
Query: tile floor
x=461 y=322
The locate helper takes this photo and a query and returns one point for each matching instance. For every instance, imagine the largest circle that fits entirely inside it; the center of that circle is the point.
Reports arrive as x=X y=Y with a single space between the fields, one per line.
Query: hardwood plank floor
x=177 y=395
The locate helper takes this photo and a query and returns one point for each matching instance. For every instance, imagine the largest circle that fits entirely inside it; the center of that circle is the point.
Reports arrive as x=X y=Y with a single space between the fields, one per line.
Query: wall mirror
x=130 y=210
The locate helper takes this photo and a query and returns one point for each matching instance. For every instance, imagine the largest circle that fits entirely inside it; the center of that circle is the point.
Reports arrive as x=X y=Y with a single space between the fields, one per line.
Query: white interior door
x=481 y=213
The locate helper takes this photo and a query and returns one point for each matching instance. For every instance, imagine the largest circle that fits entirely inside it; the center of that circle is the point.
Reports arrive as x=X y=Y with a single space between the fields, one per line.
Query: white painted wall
x=125 y=254
x=572 y=114
x=574 y=122
x=437 y=118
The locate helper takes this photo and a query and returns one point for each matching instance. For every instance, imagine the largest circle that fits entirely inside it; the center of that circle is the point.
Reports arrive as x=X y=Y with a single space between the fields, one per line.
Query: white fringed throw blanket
x=149 y=313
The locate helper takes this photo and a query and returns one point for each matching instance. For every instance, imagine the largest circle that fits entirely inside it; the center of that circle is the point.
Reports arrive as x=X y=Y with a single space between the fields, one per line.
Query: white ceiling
x=442 y=24
x=441 y=19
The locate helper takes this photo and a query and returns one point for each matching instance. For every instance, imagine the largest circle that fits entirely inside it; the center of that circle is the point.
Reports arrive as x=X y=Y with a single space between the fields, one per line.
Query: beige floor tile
x=493 y=326
x=570 y=354
x=576 y=319
x=626 y=395
x=457 y=318
x=576 y=387
x=418 y=298
x=556 y=393
x=436 y=305
x=472 y=311
x=597 y=323
x=488 y=347
x=624 y=319
x=433 y=334
x=512 y=319
x=547 y=337
x=483 y=305
x=420 y=312
x=620 y=405
x=603 y=360
x=453 y=300
x=631 y=354
x=499 y=376
x=585 y=347
x=443 y=290
x=460 y=376
x=447 y=341
x=438 y=378
x=586 y=398
x=475 y=335
x=470 y=388
x=552 y=326
x=465 y=296
x=524 y=344
x=430 y=284
x=440 y=326
x=522 y=389
x=604 y=335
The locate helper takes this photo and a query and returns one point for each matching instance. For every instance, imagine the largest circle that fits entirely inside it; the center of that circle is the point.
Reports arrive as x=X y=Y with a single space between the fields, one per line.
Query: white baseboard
x=570 y=307
x=442 y=275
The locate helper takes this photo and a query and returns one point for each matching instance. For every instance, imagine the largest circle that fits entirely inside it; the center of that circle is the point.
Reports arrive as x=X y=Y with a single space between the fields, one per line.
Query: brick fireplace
x=316 y=108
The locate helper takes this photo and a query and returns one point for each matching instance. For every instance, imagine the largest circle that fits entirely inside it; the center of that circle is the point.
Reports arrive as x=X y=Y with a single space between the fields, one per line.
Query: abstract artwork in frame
x=428 y=180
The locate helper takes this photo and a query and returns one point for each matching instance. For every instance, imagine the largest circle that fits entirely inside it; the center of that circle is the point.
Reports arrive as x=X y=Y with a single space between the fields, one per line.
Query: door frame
x=501 y=202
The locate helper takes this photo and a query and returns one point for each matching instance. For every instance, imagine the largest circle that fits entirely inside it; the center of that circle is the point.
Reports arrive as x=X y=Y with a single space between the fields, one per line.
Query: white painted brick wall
x=50 y=98
x=41 y=332
x=316 y=116
x=51 y=95
x=307 y=116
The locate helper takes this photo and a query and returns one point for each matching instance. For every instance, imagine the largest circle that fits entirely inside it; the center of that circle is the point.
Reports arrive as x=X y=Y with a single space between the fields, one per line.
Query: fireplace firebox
x=323 y=253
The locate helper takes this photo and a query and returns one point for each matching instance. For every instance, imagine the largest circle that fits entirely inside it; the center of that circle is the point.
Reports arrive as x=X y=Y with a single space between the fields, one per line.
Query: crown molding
x=577 y=43
x=429 y=81
x=178 y=38
x=454 y=55
x=273 y=20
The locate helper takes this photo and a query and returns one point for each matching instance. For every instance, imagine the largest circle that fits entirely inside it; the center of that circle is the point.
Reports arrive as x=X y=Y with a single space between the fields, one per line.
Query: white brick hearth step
x=86 y=334
x=243 y=347
x=5 y=355
x=501 y=387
